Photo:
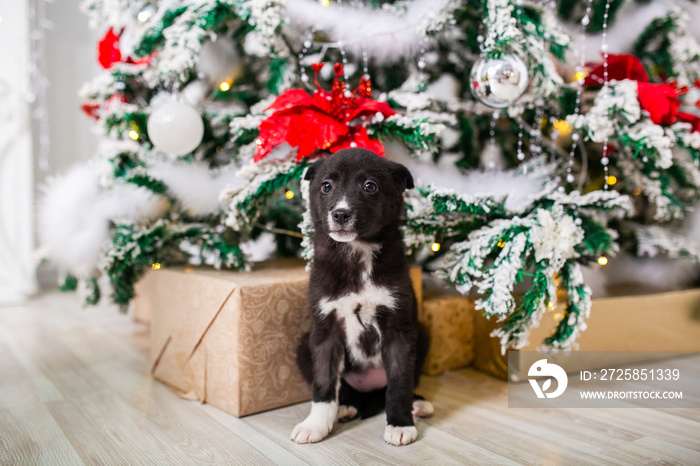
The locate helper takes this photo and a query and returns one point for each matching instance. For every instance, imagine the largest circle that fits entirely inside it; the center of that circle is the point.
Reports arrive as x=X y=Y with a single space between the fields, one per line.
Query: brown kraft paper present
x=449 y=319
x=229 y=338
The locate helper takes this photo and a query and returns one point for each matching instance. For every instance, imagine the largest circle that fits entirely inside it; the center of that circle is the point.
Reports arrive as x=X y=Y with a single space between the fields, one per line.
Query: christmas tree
x=532 y=161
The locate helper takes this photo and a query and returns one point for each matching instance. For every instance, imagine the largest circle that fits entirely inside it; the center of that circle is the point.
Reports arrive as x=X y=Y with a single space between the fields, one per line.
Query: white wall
x=16 y=177
x=71 y=60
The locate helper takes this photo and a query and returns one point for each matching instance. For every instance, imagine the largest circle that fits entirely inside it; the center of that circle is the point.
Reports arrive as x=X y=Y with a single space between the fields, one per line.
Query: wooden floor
x=75 y=389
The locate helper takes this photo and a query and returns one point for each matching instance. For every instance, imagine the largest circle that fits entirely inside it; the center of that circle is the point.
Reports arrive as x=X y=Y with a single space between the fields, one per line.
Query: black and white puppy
x=366 y=349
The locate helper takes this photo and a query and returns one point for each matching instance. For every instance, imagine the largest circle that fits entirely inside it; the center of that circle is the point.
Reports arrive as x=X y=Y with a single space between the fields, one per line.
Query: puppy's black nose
x=341 y=215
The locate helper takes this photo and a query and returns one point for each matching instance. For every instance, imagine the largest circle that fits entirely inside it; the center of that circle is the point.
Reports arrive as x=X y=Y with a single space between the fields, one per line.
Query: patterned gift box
x=228 y=338
x=449 y=319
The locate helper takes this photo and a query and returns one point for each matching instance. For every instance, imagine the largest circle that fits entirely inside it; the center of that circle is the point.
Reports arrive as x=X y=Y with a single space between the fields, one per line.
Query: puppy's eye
x=326 y=187
x=370 y=187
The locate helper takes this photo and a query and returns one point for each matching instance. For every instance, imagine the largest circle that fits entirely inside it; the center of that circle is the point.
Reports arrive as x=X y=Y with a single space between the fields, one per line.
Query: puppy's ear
x=401 y=176
x=311 y=171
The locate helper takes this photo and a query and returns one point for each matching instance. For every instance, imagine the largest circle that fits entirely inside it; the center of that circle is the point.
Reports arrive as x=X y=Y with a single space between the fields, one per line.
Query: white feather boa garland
x=384 y=35
x=74 y=214
x=517 y=188
x=75 y=210
x=195 y=186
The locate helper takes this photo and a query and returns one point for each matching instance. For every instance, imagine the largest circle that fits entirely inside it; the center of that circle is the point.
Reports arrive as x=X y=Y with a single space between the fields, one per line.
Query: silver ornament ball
x=175 y=128
x=498 y=82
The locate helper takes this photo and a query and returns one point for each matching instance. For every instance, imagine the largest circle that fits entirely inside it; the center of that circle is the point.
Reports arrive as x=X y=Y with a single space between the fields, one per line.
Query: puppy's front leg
x=328 y=359
x=398 y=363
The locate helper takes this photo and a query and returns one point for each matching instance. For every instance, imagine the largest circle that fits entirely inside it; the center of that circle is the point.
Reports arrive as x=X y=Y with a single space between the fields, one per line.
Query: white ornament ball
x=498 y=82
x=175 y=128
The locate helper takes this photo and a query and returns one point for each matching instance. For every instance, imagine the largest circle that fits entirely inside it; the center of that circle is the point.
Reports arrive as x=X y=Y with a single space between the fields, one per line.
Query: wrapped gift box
x=230 y=338
x=450 y=320
x=661 y=322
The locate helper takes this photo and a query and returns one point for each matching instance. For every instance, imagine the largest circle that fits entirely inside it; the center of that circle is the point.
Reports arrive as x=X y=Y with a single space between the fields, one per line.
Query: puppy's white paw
x=310 y=432
x=318 y=425
x=346 y=413
x=400 y=435
x=422 y=408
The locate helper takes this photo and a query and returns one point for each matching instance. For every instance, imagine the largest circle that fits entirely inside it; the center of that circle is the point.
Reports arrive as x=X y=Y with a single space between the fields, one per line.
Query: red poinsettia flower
x=327 y=120
x=358 y=137
x=660 y=100
x=619 y=67
x=108 y=50
x=109 y=53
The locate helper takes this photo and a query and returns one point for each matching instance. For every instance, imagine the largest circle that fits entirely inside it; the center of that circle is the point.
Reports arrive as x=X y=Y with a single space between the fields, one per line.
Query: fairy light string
x=520 y=155
x=302 y=69
x=421 y=67
x=365 y=63
x=580 y=79
x=604 y=160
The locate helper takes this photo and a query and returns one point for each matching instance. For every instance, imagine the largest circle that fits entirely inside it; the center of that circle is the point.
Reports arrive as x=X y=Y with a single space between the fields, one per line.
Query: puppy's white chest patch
x=358 y=310
x=359 y=313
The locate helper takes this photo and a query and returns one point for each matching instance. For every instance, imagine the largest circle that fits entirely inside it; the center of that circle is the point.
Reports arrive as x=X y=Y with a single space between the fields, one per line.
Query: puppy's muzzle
x=341 y=216
x=341 y=225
